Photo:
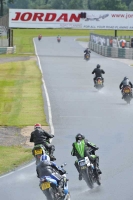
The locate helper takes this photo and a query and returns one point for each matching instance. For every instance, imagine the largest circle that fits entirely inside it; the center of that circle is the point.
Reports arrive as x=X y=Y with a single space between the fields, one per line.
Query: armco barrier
x=113 y=52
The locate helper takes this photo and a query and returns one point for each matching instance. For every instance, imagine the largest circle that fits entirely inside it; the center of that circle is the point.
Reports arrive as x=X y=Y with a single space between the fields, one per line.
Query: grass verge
x=15 y=156
x=21 y=101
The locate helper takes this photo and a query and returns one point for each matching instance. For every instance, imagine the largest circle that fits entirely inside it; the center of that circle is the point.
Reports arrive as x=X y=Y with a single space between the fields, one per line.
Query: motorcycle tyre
x=49 y=194
x=87 y=178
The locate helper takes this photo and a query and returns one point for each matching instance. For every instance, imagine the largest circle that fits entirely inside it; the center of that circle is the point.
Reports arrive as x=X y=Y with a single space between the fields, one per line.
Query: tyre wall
x=114 y=52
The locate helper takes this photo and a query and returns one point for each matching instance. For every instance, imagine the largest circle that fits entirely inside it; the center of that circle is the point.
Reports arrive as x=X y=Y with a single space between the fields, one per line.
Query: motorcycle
x=38 y=151
x=52 y=190
x=58 y=39
x=89 y=172
x=39 y=37
x=127 y=94
x=98 y=83
x=87 y=56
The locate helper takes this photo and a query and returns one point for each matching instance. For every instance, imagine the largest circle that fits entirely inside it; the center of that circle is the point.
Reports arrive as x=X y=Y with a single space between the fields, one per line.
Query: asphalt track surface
x=77 y=107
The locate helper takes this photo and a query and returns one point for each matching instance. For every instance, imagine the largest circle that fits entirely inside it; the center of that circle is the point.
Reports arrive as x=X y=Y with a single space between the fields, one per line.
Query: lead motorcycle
x=127 y=94
x=52 y=190
x=99 y=83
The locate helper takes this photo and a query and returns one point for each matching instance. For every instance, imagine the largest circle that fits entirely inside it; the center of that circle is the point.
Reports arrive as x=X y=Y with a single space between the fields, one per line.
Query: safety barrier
x=113 y=52
x=7 y=50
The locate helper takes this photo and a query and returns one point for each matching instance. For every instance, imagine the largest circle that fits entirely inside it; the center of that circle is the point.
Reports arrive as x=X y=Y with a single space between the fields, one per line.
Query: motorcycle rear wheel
x=49 y=193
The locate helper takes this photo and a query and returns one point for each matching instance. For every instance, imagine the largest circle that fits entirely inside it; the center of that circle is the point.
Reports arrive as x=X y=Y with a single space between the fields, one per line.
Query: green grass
x=23 y=38
x=83 y=39
x=21 y=101
x=12 y=157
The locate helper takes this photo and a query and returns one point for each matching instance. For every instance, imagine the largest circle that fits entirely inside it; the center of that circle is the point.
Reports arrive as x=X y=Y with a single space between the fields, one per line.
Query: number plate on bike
x=83 y=167
x=126 y=91
x=99 y=82
x=45 y=185
x=38 y=151
x=82 y=163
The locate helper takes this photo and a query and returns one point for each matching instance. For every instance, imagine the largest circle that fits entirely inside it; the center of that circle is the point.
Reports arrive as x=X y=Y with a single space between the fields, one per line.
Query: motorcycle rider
x=86 y=51
x=39 y=136
x=39 y=37
x=125 y=83
x=88 y=146
x=98 y=73
x=58 y=37
x=48 y=168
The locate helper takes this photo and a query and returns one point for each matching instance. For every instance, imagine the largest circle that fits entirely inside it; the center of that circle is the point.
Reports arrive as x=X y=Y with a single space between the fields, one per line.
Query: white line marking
x=49 y=112
x=46 y=93
x=17 y=170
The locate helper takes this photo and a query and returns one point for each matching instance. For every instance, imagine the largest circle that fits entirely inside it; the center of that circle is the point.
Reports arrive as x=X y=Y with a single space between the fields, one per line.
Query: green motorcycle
x=87 y=168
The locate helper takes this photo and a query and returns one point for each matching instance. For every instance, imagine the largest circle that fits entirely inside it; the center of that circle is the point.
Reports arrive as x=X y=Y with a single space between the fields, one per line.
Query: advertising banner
x=104 y=40
x=76 y=19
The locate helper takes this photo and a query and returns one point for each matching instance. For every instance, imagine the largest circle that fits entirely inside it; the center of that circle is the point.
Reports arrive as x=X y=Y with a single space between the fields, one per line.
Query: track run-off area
x=77 y=107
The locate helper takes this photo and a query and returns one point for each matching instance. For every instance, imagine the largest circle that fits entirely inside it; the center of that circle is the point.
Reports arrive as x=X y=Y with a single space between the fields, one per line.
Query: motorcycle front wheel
x=88 y=177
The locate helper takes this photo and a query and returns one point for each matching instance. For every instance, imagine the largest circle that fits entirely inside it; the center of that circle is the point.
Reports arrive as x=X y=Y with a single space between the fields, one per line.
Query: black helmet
x=125 y=78
x=79 y=137
x=98 y=66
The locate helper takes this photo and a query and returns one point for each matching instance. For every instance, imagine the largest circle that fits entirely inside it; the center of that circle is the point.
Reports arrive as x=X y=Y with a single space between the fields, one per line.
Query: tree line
x=66 y=4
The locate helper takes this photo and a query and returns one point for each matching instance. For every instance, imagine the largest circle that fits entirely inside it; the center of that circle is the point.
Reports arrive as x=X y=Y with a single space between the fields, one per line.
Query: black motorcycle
x=39 y=150
x=89 y=173
x=99 y=83
x=127 y=94
x=51 y=189
x=87 y=56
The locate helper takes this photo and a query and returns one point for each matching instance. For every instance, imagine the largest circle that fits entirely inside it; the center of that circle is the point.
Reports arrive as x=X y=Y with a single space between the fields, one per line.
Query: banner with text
x=76 y=19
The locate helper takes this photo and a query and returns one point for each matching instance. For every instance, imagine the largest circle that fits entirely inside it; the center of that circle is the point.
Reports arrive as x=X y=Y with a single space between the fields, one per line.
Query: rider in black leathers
x=39 y=136
x=125 y=83
x=98 y=73
x=86 y=51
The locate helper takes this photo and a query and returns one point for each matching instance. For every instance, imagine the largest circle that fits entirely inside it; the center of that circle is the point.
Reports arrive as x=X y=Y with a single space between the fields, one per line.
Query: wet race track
x=77 y=107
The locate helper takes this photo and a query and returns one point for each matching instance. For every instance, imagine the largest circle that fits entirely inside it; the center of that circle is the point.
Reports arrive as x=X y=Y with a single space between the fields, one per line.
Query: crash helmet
x=44 y=157
x=98 y=66
x=37 y=126
x=125 y=78
x=79 y=137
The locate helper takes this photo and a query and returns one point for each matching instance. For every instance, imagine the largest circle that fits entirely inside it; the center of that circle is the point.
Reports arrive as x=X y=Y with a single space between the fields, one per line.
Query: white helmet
x=44 y=157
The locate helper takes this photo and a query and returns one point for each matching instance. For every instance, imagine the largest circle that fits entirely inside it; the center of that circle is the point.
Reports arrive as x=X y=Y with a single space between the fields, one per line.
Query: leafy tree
x=78 y=4
x=131 y=5
x=127 y=2
x=2 y=3
x=108 y=5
